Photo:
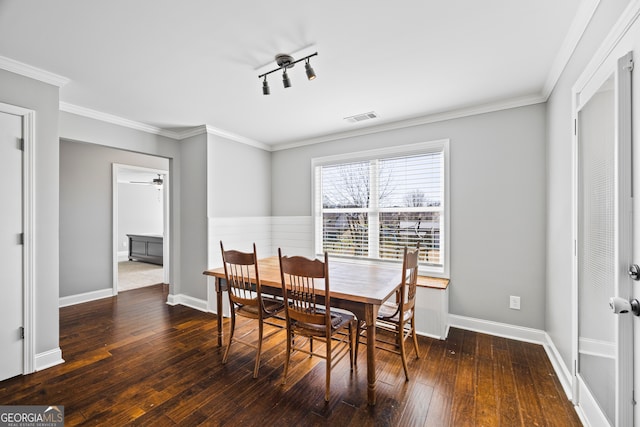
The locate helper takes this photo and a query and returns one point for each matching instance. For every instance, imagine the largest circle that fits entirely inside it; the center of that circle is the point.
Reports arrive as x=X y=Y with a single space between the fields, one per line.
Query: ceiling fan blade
x=155 y=181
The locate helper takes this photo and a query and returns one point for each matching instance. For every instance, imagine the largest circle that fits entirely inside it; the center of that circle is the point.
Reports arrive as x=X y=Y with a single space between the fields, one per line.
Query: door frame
x=166 y=253
x=582 y=92
x=28 y=224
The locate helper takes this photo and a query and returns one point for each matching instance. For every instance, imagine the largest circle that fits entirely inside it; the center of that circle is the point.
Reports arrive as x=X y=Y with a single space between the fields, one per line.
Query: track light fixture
x=286 y=61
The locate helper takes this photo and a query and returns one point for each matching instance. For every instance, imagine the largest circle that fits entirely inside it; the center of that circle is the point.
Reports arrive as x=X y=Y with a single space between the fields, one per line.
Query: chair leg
x=310 y=346
x=400 y=330
x=328 y=370
x=351 y=344
x=358 y=332
x=415 y=338
x=286 y=359
x=260 y=331
x=231 y=331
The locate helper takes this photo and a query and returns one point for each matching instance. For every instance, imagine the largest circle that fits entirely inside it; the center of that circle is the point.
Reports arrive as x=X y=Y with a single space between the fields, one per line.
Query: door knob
x=621 y=306
x=634 y=272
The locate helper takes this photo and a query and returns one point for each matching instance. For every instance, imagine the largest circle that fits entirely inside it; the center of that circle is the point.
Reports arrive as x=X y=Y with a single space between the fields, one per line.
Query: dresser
x=145 y=247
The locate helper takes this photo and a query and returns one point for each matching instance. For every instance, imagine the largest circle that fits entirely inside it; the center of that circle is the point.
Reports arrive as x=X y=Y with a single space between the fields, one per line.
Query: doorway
x=603 y=342
x=140 y=227
x=17 y=127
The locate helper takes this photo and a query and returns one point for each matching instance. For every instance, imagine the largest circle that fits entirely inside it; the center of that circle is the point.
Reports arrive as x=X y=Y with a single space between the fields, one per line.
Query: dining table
x=357 y=287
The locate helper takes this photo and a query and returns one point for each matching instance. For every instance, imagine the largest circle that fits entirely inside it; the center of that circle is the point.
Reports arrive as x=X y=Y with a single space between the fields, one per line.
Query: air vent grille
x=361 y=117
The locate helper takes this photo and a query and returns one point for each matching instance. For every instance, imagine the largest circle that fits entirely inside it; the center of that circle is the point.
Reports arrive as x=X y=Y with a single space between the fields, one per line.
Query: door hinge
x=575 y=126
x=21 y=239
x=21 y=144
x=21 y=332
x=629 y=65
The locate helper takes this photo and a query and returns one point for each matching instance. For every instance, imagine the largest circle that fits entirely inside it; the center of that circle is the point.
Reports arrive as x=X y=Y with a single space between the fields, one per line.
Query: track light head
x=310 y=73
x=265 y=86
x=285 y=79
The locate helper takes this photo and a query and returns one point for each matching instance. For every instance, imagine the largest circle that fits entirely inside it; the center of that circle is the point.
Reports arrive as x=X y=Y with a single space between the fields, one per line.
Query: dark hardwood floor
x=133 y=360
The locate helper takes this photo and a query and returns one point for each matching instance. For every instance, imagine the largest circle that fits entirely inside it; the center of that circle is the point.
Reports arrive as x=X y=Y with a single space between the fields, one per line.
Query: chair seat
x=271 y=305
x=389 y=311
x=338 y=320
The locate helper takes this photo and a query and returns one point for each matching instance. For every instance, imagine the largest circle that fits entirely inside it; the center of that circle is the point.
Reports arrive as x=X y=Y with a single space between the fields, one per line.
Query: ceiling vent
x=361 y=117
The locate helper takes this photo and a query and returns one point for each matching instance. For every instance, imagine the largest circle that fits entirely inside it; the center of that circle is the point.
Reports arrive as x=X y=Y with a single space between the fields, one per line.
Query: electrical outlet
x=514 y=302
x=125 y=243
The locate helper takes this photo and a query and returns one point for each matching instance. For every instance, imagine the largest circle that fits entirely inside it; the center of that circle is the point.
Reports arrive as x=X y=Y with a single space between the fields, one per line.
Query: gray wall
x=558 y=317
x=43 y=99
x=220 y=178
x=239 y=179
x=86 y=213
x=193 y=187
x=497 y=205
x=83 y=129
x=223 y=179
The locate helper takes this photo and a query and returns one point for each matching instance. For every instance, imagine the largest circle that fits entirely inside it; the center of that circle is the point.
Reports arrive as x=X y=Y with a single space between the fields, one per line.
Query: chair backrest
x=409 y=278
x=241 y=272
x=300 y=277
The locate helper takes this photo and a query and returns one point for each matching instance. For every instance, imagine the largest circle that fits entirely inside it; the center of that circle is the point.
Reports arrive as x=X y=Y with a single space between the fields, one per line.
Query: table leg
x=219 y=309
x=370 y=315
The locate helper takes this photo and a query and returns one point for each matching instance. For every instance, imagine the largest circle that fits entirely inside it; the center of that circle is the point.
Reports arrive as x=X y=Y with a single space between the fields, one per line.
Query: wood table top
x=363 y=283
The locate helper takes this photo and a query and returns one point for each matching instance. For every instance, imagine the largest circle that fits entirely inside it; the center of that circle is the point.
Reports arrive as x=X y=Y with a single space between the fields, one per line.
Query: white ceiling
x=174 y=64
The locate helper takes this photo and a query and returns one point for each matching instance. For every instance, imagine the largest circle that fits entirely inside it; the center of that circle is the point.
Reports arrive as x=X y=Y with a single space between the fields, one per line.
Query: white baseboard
x=48 y=359
x=562 y=371
x=505 y=330
x=123 y=256
x=85 y=297
x=434 y=336
x=186 y=300
x=589 y=411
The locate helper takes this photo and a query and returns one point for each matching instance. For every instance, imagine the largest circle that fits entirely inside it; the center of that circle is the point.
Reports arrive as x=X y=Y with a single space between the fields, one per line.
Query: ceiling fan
x=155 y=181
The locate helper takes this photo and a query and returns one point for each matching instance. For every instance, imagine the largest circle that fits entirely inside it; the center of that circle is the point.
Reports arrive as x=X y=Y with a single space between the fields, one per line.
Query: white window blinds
x=373 y=208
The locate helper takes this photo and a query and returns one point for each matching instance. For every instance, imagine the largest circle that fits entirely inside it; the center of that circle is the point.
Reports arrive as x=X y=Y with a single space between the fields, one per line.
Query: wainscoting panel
x=238 y=233
x=293 y=234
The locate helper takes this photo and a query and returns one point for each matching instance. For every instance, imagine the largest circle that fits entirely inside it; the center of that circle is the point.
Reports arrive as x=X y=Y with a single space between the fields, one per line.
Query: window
x=371 y=205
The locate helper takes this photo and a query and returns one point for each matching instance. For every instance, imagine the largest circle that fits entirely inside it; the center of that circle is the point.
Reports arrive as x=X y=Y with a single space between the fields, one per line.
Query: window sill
x=433 y=282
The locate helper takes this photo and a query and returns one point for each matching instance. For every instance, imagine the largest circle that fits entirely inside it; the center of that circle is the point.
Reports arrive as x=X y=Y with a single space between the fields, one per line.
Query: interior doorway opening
x=140 y=227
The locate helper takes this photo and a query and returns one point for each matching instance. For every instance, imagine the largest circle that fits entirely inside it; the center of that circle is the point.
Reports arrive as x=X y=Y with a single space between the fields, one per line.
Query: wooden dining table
x=357 y=287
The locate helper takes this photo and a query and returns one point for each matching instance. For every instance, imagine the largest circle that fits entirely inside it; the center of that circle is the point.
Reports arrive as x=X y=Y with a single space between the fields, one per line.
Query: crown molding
x=116 y=120
x=432 y=118
x=585 y=13
x=30 y=71
x=197 y=130
x=238 y=138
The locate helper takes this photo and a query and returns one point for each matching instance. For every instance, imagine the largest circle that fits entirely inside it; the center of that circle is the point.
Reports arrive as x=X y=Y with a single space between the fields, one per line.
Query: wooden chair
x=246 y=299
x=398 y=317
x=301 y=278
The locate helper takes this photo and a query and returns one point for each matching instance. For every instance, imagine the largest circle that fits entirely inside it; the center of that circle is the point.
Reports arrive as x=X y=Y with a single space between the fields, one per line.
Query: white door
x=11 y=248
x=603 y=247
